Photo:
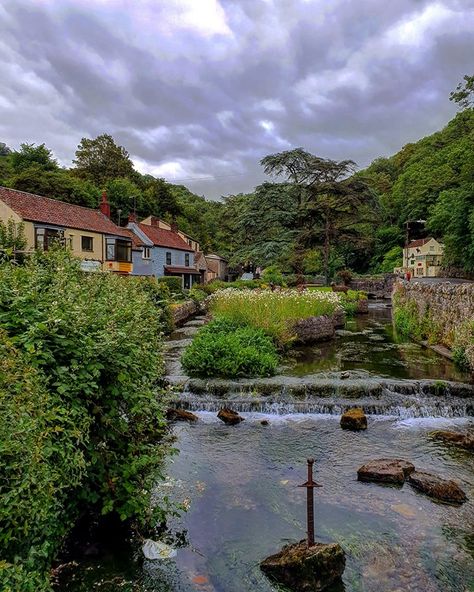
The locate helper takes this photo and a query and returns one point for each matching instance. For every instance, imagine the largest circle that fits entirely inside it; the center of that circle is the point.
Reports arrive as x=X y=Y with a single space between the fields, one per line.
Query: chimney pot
x=132 y=217
x=104 y=205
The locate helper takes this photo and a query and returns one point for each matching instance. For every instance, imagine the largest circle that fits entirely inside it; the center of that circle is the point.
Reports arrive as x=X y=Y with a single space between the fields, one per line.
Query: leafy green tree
x=331 y=198
x=267 y=224
x=102 y=160
x=123 y=194
x=453 y=218
x=160 y=200
x=30 y=155
x=464 y=93
x=57 y=184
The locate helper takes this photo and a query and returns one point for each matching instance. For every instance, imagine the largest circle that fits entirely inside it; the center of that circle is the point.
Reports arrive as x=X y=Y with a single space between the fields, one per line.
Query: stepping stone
x=180 y=415
x=463 y=440
x=306 y=569
x=386 y=470
x=229 y=416
x=354 y=419
x=445 y=490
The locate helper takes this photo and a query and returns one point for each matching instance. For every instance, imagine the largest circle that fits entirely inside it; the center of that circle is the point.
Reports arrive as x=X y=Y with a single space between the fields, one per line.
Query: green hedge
x=82 y=420
x=225 y=349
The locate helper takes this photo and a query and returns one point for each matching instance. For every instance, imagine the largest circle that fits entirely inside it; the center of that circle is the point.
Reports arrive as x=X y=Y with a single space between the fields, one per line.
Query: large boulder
x=306 y=569
x=445 y=490
x=354 y=419
x=463 y=440
x=386 y=470
x=180 y=415
x=339 y=318
x=229 y=416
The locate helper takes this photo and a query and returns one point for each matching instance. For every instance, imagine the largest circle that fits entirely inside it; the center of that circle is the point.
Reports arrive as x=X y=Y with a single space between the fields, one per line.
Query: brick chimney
x=132 y=217
x=104 y=205
x=154 y=221
x=174 y=226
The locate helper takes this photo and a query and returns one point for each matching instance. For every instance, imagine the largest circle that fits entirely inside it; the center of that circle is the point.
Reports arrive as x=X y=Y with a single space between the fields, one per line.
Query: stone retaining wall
x=444 y=312
x=182 y=312
x=378 y=287
x=314 y=329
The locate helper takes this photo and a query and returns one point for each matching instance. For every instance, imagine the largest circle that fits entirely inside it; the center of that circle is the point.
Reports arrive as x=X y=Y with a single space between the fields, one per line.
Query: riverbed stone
x=306 y=569
x=354 y=419
x=229 y=416
x=445 y=490
x=386 y=470
x=180 y=415
x=461 y=439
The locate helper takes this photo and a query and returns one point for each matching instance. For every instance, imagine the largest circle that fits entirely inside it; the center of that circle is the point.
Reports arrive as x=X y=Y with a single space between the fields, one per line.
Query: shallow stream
x=241 y=485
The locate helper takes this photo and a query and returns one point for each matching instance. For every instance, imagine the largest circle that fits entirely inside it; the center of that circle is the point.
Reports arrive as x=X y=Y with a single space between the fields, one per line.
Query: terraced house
x=160 y=249
x=91 y=234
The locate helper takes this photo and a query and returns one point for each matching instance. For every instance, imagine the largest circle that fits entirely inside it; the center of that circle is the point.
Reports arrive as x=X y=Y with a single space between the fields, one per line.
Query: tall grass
x=273 y=312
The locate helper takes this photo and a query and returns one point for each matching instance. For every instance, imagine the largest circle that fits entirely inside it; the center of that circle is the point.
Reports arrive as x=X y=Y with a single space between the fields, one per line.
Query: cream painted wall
x=74 y=239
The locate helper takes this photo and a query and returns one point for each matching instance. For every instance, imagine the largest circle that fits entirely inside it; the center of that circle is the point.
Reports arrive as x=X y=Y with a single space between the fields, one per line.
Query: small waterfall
x=403 y=407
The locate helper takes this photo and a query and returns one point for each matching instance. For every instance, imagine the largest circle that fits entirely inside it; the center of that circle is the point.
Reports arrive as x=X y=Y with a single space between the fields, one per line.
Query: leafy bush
x=273 y=312
x=174 y=283
x=160 y=295
x=82 y=422
x=229 y=350
x=272 y=275
x=197 y=294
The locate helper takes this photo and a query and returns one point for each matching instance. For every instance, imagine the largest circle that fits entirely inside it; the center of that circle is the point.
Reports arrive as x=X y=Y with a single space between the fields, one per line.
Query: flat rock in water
x=180 y=415
x=229 y=416
x=354 y=419
x=463 y=440
x=445 y=490
x=386 y=470
x=306 y=569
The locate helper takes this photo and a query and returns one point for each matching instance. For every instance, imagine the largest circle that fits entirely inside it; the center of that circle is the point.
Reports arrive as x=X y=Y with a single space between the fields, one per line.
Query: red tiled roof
x=165 y=238
x=176 y=269
x=418 y=243
x=36 y=208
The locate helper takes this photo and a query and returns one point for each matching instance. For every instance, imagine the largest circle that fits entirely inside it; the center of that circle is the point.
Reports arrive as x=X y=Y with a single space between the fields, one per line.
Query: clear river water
x=240 y=483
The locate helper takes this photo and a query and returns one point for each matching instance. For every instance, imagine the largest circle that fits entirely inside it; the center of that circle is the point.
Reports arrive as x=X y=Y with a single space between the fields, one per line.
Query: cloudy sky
x=199 y=91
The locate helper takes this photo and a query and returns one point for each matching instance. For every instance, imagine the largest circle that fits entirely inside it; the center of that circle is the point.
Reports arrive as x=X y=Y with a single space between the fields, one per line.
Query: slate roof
x=165 y=238
x=36 y=208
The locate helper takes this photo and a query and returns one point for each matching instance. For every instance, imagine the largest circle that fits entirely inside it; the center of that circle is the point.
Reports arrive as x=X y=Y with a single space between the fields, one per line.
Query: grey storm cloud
x=199 y=91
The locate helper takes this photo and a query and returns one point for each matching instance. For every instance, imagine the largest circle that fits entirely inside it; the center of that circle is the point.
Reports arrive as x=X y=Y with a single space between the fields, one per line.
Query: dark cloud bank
x=199 y=90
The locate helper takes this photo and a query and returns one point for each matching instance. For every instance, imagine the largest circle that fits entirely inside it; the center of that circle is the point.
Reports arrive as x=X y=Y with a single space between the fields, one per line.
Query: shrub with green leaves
x=229 y=350
x=174 y=283
x=82 y=410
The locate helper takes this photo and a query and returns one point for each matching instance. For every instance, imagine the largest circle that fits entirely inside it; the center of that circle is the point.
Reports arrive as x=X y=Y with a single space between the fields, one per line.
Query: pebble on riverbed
x=302 y=568
x=354 y=419
x=229 y=416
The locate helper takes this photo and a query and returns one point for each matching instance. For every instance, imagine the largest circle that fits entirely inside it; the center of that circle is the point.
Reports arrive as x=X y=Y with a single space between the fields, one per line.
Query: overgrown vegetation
x=82 y=425
x=227 y=349
x=272 y=312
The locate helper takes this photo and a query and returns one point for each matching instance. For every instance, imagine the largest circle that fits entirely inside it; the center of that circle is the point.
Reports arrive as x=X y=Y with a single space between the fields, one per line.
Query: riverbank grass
x=272 y=312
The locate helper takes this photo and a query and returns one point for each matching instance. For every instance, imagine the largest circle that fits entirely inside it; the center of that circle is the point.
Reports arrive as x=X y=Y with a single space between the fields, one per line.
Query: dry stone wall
x=445 y=312
x=377 y=287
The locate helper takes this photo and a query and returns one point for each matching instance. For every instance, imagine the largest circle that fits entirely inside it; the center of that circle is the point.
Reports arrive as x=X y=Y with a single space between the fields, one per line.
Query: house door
x=187 y=281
